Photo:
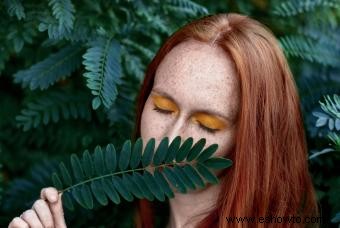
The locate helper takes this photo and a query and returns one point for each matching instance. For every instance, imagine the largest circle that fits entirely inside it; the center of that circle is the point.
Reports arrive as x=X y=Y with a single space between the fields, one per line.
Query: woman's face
x=195 y=94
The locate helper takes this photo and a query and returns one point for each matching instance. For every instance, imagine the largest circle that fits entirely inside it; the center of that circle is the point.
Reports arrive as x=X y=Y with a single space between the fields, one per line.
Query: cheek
x=225 y=143
x=152 y=123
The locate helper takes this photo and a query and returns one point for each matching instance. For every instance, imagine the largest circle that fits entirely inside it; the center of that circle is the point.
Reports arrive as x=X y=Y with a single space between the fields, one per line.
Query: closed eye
x=162 y=110
x=204 y=128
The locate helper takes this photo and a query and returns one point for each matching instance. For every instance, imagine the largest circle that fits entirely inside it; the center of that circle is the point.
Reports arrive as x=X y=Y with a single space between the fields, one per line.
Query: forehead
x=199 y=75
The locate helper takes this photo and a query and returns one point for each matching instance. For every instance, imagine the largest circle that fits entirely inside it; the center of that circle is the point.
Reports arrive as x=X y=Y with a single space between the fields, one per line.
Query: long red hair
x=270 y=173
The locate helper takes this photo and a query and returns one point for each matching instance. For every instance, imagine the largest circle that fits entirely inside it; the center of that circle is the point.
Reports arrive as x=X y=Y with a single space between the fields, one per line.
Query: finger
x=43 y=211
x=18 y=222
x=31 y=218
x=58 y=213
x=50 y=194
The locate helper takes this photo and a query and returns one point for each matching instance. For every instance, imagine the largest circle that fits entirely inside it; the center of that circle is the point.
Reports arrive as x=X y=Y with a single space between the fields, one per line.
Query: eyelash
x=162 y=111
x=202 y=127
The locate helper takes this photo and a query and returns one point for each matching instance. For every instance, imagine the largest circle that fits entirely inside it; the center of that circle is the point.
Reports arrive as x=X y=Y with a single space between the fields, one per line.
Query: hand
x=45 y=212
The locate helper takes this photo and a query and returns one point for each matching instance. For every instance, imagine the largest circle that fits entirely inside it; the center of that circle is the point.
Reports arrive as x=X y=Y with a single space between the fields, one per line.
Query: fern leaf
x=52 y=107
x=52 y=69
x=132 y=186
x=15 y=8
x=186 y=7
x=151 y=176
x=138 y=179
x=136 y=153
x=174 y=146
x=148 y=152
x=292 y=7
x=143 y=50
x=125 y=153
x=161 y=151
x=63 y=11
x=330 y=106
x=306 y=48
x=331 y=115
x=102 y=62
x=184 y=149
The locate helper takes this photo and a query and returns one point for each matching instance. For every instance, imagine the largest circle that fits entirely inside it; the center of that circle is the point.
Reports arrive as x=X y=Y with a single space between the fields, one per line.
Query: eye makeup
x=163 y=104
x=205 y=121
x=208 y=121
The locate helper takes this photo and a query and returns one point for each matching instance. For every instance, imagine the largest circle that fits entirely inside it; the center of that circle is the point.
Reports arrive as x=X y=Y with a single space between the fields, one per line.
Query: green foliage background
x=70 y=72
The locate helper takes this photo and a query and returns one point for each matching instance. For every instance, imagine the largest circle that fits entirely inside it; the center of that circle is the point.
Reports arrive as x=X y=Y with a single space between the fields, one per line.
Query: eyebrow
x=205 y=111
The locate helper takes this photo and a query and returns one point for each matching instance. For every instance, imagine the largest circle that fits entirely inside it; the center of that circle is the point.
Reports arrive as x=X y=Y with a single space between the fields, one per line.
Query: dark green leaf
x=136 y=154
x=174 y=180
x=132 y=186
x=217 y=163
x=207 y=153
x=173 y=148
x=67 y=200
x=125 y=154
x=184 y=149
x=99 y=161
x=56 y=181
x=77 y=169
x=111 y=158
x=87 y=196
x=162 y=182
x=148 y=152
x=193 y=175
x=153 y=186
x=205 y=172
x=161 y=151
x=110 y=190
x=98 y=192
x=121 y=188
x=184 y=178
x=196 y=149
x=77 y=195
x=65 y=174
x=138 y=179
x=88 y=164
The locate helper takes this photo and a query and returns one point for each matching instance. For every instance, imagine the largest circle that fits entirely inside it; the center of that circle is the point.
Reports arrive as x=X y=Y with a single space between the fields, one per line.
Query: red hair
x=270 y=174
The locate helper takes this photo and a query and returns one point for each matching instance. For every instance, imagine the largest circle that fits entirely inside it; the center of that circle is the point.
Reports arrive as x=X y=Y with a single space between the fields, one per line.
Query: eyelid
x=164 y=103
x=206 y=129
x=208 y=121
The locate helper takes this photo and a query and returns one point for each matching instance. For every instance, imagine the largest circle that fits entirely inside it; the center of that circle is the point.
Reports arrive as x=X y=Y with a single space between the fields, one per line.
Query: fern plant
x=108 y=174
x=291 y=8
x=53 y=106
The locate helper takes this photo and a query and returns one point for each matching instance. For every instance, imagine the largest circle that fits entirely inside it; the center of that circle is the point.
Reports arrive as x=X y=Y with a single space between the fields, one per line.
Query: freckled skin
x=198 y=76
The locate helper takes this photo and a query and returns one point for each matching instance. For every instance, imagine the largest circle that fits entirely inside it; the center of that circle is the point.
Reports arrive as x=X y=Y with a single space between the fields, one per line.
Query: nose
x=177 y=129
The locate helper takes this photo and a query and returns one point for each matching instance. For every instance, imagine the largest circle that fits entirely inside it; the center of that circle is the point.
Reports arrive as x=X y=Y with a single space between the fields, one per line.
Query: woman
x=223 y=78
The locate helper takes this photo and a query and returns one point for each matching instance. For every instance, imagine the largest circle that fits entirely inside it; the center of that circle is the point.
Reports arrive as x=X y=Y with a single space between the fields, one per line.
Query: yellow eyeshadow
x=209 y=121
x=164 y=103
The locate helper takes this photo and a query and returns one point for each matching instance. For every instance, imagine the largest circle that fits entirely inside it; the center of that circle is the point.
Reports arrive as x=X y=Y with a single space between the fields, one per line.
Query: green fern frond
x=335 y=138
x=331 y=115
x=306 y=48
x=143 y=50
x=330 y=106
x=15 y=8
x=293 y=7
x=131 y=173
x=52 y=107
x=102 y=62
x=186 y=7
x=63 y=11
x=53 y=68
